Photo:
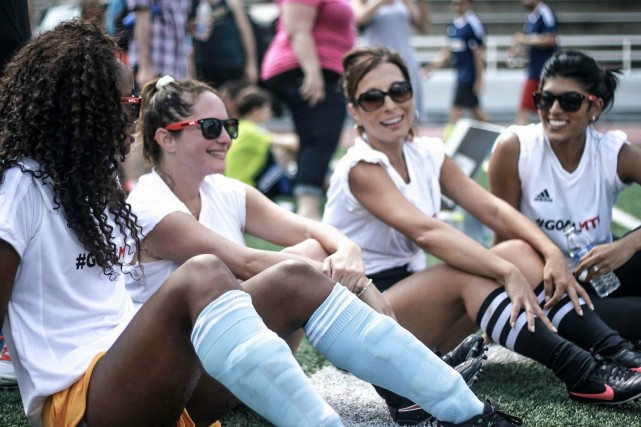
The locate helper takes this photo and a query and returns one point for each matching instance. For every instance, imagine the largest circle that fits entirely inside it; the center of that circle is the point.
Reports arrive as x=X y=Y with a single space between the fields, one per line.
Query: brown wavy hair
x=165 y=105
x=60 y=105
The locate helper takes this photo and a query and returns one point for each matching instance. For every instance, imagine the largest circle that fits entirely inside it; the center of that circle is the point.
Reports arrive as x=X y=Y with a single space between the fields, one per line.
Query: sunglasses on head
x=132 y=103
x=374 y=99
x=210 y=127
x=568 y=101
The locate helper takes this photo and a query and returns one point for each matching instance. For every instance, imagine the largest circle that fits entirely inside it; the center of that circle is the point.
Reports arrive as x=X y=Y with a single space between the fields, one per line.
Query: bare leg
x=309 y=206
x=150 y=372
x=431 y=302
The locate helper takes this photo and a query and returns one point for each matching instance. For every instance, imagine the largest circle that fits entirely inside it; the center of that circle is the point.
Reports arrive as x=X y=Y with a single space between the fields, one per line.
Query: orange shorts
x=67 y=407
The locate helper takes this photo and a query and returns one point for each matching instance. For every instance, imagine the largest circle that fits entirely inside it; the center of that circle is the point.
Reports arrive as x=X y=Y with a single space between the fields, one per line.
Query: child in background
x=258 y=157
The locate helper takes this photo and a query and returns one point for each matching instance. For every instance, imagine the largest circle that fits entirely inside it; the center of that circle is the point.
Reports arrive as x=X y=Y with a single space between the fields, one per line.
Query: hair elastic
x=164 y=81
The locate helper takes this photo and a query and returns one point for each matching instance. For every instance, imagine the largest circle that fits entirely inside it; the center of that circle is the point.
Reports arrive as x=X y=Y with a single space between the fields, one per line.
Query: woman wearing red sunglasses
x=564 y=171
x=385 y=195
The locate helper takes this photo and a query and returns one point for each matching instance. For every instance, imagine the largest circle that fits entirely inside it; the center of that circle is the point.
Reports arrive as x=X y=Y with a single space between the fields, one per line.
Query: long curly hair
x=60 y=105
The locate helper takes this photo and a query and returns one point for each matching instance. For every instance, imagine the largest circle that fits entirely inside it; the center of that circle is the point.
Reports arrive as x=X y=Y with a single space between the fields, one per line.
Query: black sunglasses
x=132 y=103
x=374 y=99
x=210 y=127
x=568 y=101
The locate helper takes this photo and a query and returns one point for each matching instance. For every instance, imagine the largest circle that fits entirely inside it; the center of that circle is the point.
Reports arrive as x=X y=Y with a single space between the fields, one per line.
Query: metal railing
x=621 y=50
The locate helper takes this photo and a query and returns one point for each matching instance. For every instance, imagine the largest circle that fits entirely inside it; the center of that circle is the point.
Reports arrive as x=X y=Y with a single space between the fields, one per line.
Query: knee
x=204 y=277
x=510 y=248
x=298 y=279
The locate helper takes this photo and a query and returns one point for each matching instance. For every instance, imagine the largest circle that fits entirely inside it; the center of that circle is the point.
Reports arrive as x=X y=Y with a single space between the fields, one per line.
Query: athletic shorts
x=67 y=407
x=383 y=280
x=465 y=96
x=527 y=103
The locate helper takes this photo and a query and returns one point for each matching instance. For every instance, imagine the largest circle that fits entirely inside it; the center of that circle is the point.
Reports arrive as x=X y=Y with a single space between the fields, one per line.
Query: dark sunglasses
x=568 y=101
x=210 y=127
x=374 y=99
x=133 y=103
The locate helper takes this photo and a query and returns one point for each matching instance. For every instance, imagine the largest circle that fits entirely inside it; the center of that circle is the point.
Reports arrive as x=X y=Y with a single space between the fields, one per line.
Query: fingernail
x=591 y=307
x=580 y=312
x=512 y=324
x=531 y=328
x=547 y=298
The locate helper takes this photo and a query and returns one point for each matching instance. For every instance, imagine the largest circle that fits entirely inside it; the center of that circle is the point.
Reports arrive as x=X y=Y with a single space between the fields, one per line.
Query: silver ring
x=596 y=268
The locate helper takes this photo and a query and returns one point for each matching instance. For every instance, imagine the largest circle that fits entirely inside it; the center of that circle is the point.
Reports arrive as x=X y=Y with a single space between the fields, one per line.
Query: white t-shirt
x=553 y=198
x=63 y=310
x=384 y=247
x=223 y=208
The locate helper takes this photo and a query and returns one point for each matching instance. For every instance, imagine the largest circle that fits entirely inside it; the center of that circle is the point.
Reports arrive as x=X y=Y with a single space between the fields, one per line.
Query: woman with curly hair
x=202 y=341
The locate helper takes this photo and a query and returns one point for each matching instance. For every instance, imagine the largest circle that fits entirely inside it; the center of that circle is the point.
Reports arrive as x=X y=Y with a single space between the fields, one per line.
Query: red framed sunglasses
x=211 y=127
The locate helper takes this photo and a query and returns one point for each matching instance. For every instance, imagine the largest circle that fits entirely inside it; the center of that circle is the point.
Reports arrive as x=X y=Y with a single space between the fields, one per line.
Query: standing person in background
x=15 y=31
x=302 y=68
x=389 y=23
x=225 y=49
x=564 y=171
x=539 y=38
x=159 y=45
x=466 y=50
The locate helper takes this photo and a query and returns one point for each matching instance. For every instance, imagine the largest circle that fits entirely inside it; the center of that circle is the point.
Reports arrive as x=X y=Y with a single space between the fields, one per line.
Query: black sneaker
x=470 y=347
x=607 y=383
x=492 y=416
x=407 y=413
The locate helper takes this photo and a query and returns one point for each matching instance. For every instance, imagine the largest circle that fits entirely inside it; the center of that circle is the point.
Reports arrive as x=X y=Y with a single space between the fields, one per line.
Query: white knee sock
x=236 y=348
x=375 y=348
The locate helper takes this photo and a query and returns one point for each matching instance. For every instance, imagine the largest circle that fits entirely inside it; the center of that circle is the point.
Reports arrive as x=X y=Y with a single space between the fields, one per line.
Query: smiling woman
x=580 y=171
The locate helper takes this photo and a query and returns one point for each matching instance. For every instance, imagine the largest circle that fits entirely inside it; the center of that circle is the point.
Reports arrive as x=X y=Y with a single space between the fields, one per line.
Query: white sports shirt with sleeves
x=552 y=197
x=223 y=209
x=63 y=310
x=384 y=247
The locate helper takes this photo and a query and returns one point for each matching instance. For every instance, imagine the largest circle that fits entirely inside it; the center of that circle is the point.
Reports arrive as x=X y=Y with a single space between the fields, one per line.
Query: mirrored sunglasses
x=374 y=99
x=211 y=128
x=568 y=101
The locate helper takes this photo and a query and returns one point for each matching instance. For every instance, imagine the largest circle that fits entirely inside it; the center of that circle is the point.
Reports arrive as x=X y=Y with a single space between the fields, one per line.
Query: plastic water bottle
x=578 y=246
x=203 y=21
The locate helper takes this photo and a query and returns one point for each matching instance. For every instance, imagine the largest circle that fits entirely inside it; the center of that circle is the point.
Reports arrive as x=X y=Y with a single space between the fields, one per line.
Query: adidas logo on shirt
x=543 y=196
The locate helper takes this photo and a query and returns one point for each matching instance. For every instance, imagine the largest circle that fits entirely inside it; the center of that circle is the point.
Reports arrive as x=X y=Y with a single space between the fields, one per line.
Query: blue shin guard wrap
x=236 y=348
x=375 y=348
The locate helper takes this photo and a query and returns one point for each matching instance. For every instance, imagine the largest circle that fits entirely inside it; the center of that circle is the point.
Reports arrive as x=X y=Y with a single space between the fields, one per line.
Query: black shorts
x=465 y=96
x=383 y=280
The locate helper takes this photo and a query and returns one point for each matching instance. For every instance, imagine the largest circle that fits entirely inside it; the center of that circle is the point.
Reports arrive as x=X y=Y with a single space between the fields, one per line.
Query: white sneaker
x=7 y=373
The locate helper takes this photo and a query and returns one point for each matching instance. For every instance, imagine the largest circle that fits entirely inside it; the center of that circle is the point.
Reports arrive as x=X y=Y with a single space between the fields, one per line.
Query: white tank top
x=384 y=247
x=552 y=197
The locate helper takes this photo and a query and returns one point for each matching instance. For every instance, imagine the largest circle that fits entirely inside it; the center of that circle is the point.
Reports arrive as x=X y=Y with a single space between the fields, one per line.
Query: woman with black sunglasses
x=564 y=171
x=385 y=195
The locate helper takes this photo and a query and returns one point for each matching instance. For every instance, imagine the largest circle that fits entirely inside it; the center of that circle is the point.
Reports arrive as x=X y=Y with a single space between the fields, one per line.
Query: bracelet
x=364 y=288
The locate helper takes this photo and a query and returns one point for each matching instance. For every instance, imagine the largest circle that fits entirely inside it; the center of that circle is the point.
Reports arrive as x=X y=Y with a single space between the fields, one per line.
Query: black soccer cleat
x=607 y=383
x=471 y=347
x=408 y=413
x=629 y=357
x=492 y=416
